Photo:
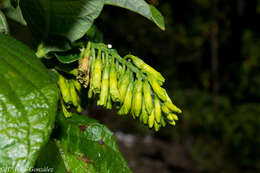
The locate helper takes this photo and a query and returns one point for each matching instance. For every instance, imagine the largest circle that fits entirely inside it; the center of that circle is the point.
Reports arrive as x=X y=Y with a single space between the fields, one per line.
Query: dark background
x=210 y=57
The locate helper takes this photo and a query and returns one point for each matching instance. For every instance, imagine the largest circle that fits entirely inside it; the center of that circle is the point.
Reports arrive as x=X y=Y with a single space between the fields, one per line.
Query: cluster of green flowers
x=69 y=90
x=128 y=83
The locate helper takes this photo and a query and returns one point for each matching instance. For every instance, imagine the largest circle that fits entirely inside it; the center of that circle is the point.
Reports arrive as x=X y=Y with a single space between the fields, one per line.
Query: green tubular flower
x=73 y=94
x=114 y=92
x=64 y=88
x=144 y=116
x=76 y=85
x=157 y=126
x=148 y=97
x=127 y=101
x=79 y=108
x=165 y=109
x=163 y=123
x=66 y=113
x=120 y=69
x=123 y=85
x=175 y=117
x=96 y=75
x=151 y=119
x=146 y=68
x=157 y=88
x=104 y=86
x=109 y=102
x=137 y=98
x=172 y=107
x=157 y=109
x=172 y=123
x=172 y=117
x=169 y=117
x=90 y=93
x=92 y=60
x=141 y=116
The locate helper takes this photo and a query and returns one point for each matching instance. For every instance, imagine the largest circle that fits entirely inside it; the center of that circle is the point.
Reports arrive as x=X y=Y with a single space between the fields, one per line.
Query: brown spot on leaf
x=101 y=142
x=83 y=127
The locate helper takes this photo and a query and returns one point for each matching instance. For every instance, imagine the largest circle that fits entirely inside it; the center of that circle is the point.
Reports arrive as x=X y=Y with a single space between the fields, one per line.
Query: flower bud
x=79 y=108
x=137 y=98
x=172 y=117
x=157 y=89
x=113 y=90
x=144 y=116
x=109 y=102
x=127 y=101
x=146 y=68
x=169 y=117
x=175 y=117
x=66 y=113
x=165 y=109
x=104 y=87
x=151 y=119
x=163 y=123
x=76 y=85
x=172 y=107
x=123 y=85
x=73 y=94
x=96 y=75
x=92 y=64
x=157 y=109
x=64 y=88
x=172 y=123
x=148 y=97
x=157 y=126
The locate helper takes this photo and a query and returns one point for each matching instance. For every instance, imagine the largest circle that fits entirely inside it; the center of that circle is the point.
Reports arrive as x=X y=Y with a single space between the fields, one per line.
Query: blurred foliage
x=221 y=131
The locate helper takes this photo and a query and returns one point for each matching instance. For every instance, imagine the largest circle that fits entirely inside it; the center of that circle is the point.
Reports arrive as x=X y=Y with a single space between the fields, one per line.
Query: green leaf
x=140 y=7
x=3 y=24
x=157 y=17
x=67 y=58
x=84 y=145
x=50 y=157
x=54 y=45
x=28 y=104
x=54 y=158
x=13 y=12
x=55 y=18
